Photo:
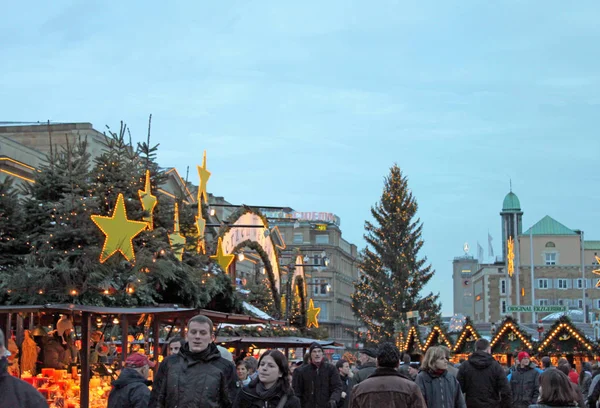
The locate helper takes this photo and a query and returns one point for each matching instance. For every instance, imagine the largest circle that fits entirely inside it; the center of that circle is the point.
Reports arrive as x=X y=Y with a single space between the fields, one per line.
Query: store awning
x=272 y=342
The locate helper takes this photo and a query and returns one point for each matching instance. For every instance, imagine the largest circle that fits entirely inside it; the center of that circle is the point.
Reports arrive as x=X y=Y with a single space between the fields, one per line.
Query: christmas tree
x=12 y=241
x=392 y=273
x=70 y=257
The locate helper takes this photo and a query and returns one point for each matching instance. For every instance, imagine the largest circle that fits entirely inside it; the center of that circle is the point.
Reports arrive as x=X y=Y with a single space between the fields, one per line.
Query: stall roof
x=166 y=312
x=273 y=341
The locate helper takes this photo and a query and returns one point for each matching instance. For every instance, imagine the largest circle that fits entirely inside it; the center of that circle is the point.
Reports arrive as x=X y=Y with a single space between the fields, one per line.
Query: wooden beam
x=156 y=340
x=85 y=360
x=124 y=339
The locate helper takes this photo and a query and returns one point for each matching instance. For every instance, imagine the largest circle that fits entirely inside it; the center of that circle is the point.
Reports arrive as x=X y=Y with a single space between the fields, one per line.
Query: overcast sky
x=308 y=104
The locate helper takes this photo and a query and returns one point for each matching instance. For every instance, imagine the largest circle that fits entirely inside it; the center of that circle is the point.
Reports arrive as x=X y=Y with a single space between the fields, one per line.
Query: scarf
x=266 y=394
x=436 y=373
x=196 y=357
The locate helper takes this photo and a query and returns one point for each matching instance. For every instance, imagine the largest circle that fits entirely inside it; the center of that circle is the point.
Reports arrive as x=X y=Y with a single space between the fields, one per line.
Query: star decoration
x=223 y=259
x=176 y=239
x=311 y=315
x=148 y=201
x=597 y=271
x=283 y=304
x=119 y=232
x=200 y=226
x=204 y=175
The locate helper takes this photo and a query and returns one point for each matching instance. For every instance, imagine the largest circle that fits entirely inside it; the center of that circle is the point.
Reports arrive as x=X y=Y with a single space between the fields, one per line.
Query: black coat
x=15 y=393
x=484 y=382
x=249 y=398
x=440 y=391
x=347 y=384
x=525 y=387
x=315 y=387
x=191 y=380
x=130 y=390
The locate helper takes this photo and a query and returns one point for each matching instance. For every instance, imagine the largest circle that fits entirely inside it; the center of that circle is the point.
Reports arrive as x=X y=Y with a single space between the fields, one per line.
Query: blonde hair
x=432 y=355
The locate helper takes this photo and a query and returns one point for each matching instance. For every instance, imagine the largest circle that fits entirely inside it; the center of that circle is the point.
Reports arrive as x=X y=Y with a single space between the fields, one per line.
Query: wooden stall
x=465 y=342
x=437 y=337
x=412 y=345
x=510 y=338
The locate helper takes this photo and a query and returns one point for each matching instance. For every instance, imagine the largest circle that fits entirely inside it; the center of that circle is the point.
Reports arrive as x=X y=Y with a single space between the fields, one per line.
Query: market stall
x=510 y=338
x=437 y=337
x=465 y=342
x=291 y=346
x=564 y=339
x=412 y=345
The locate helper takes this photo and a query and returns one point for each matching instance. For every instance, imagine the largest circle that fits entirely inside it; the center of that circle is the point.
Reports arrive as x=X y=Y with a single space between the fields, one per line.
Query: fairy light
x=463 y=336
x=510 y=326
x=436 y=330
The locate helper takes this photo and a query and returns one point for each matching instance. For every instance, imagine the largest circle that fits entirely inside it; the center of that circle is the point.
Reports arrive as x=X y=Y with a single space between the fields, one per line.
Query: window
x=503 y=286
x=298 y=237
x=582 y=283
x=550 y=244
x=562 y=302
x=598 y=304
x=580 y=303
x=542 y=283
x=550 y=258
x=542 y=302
x=503 y=307
x=282 y=236
x=323 y=315
x=320 y=287
x=322 y=239
x=562 y=283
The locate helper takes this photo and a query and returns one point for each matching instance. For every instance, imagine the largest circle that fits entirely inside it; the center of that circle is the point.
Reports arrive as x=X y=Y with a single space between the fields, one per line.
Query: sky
x=308 y=104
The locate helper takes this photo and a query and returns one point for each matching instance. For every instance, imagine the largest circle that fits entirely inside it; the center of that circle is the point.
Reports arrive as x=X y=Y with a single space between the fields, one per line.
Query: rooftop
x=511 y=202
x=549 y=226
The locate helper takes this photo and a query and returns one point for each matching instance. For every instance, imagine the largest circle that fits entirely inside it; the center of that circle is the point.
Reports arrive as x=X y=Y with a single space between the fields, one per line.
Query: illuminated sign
x=321 y=227
x=329 y=218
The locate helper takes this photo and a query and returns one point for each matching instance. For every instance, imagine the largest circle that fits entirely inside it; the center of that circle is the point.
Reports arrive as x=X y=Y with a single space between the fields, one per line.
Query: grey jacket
x=440 y=391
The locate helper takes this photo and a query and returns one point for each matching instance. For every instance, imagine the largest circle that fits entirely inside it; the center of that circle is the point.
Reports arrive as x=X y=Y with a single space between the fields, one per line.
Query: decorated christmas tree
x=98 y=235
x=12 y=240
x=392 y=272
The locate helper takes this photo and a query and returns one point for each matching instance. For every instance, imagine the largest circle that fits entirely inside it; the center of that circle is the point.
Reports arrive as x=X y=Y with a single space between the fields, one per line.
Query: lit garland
x=436 y=332
x=400 y=341
x=564 y=325
x=467 y=333
x=511 y=256
x=413 y=335
x=510 y=326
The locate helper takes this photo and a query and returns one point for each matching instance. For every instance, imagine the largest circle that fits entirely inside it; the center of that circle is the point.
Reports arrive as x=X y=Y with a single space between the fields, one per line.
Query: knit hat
x=369 y=352
x=315 y=345
x=522 y=355
x=137 y=360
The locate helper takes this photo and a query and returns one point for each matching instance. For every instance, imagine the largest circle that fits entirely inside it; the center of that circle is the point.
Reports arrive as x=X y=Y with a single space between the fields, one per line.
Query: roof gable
x=549 y=226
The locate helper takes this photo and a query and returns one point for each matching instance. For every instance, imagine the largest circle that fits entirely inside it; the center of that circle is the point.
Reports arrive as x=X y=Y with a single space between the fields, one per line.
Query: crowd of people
x=198 y=373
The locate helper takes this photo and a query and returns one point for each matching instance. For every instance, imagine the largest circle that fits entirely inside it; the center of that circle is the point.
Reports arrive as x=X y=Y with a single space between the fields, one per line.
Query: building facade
x=553 y=265
x=463 y=269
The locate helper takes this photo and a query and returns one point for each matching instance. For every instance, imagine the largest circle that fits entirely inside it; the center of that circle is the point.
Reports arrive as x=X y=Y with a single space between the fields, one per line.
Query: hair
x=564 y=368
x=406 y=358
x=340 y=363
x=202 y=320
x=1 y=339
x=546 y=362
x=242 y=362
x=175 y=340
x=388 y=355
x=306 y=358
x=432 y=355
x=584 y=367
x=562 y=361
x=251 y=363
x=282 y=363
x=482 y=344
x=556 y=388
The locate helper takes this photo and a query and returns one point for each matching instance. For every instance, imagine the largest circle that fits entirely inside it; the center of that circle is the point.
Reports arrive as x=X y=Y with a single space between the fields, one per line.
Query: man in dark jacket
x=197 y=376
x=524 y=382
x=318 y=383
x=368 y=359
x=347 y=383
x=16 y=393
x=130 y=390
x=482 y=379
x=386 y=387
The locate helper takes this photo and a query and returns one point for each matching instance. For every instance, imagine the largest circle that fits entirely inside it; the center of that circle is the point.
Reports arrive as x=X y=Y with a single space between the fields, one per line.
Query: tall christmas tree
x=392 y=273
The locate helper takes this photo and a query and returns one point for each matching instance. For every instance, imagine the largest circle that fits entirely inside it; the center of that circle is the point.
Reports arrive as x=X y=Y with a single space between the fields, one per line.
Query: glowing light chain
x=512 y=327
x=511 y=256
x=572 y=332
x=464 y=335
x=429 y=340
x=412 y=334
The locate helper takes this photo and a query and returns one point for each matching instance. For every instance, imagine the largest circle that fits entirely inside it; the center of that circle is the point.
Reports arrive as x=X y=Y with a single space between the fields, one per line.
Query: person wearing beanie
x=368 y=360
x=130 y=390
x=524 y=382
x=317 y=384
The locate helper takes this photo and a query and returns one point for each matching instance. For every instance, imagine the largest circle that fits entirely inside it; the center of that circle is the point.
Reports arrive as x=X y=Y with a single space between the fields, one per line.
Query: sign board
x=321 y=227
x=536 y=309
x=336 y=357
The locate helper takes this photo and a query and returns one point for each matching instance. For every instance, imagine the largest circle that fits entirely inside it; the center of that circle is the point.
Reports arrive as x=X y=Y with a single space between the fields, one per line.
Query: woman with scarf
x=439 y=388
x=271 y=388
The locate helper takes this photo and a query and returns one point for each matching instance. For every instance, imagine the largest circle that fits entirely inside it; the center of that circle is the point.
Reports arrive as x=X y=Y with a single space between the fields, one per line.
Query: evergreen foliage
x=392 y=273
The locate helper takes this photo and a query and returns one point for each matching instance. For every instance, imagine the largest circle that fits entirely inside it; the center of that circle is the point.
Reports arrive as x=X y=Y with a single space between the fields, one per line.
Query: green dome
x=511 y=202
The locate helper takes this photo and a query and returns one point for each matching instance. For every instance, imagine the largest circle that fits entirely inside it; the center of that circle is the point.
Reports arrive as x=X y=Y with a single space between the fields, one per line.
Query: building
x=463 y=269
x=553 y=267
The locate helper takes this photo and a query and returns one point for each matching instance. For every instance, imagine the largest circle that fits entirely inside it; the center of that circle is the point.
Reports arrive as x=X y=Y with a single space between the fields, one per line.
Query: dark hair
x=482 y=344
x=584 y=367
x=546 y=362
x=406 y=358
x=282 y=363
x=564 y=368
x=556 y=388
x=388 y=355
x=340 y=363
x=251 y=363
x=202 y=320
x=241 y=362
x=175 y=340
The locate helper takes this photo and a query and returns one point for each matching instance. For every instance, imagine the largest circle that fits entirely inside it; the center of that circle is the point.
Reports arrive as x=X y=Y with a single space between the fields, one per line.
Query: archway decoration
x=413 y=341
x=565 y=338
x=437 y=337
x=400 y=341
x=466 y=339
x=510 y=337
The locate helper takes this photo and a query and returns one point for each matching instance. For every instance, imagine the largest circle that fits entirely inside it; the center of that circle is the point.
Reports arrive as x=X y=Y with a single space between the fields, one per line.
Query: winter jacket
x=16 y=393
x=594 y=393
x=585 y=383
x=249 y=398
x=190 y=380
x=364 y=372
x=55 y=355
x=483 y=381
x=386 y=387
x=550 y=406
x=130 y=390
x=440 y=390
x=316 y=386
x=347 y=384
x=525 y=386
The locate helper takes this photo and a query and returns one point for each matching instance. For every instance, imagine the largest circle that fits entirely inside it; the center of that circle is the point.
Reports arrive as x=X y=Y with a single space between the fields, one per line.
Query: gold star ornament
x=223 y=259
x=148 y=201
x=177 y=240
x=119 y=232
x=312 y=314
x=597 y=271
x=204 y=175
